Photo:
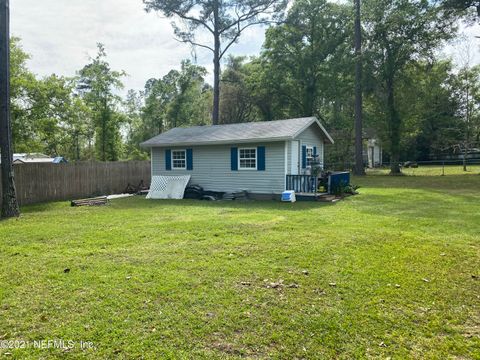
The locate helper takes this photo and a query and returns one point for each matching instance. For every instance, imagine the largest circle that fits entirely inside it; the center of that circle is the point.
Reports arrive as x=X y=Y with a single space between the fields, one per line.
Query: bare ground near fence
x=38 y=183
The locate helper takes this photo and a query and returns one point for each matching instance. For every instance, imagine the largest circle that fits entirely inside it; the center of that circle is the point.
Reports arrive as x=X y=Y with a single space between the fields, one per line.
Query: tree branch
x=237 y=35
x=195 y=20
x=193 y=43
x=250 y=15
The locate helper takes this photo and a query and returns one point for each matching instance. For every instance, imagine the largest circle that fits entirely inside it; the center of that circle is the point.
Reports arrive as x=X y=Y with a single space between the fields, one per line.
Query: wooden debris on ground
x=96 y=201
x=326 y=198
x=140 y=189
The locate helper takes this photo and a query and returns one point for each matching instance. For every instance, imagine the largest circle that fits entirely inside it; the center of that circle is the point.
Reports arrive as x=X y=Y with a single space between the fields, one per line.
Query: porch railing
x=302 y=183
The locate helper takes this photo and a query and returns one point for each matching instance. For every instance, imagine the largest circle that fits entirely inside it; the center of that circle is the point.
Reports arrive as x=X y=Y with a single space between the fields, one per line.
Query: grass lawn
x=393 y=272
x=431 y=170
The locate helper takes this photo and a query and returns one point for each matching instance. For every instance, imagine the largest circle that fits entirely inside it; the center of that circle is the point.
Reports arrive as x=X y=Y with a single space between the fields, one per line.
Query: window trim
x=172 y=159
x=256 y=159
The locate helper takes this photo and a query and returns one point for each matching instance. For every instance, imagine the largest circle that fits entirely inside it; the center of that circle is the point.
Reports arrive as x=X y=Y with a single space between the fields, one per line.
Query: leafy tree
x=429 y=106
x=398 y=33
x=133 y=105
x=187 y=107
x=262 y=89
x=97 y=83
x=468 y=95
x=236 y=103
x=50 y=112
x=79 y=130
x=307 y=55
x=158 y=95
x=23 y=86
x=47 y=115
x=180 y=98
x=359 y=167
x=463 y=7
x=223 y=20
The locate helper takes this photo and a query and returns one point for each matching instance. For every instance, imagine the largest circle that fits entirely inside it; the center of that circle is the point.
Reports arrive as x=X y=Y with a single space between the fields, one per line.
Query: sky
x=60 y=35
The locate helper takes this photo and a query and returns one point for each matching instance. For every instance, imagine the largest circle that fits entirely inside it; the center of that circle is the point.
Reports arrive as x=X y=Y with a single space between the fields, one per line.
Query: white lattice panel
x=168 y=187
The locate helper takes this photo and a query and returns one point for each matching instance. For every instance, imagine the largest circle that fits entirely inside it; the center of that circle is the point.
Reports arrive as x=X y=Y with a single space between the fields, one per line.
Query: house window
x=247 y=159
x=179 y=159
x=310 y=156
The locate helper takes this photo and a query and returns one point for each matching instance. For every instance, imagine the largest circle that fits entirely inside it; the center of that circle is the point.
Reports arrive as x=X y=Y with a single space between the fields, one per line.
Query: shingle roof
x=235 y=133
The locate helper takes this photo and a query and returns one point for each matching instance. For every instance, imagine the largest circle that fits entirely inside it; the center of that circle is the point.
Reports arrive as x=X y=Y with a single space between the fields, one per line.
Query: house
x=257 y=157
x=37 y=158
x=374 y=152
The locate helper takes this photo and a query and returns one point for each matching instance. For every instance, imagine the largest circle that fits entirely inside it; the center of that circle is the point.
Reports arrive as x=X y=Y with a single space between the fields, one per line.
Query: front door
x=295 y=161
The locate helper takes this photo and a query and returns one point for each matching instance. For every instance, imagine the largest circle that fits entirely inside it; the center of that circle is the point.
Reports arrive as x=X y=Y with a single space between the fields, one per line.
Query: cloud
x=62 y=34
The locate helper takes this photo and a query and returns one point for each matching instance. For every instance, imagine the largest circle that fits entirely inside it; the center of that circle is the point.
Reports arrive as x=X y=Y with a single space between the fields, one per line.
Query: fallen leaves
x=280 y=285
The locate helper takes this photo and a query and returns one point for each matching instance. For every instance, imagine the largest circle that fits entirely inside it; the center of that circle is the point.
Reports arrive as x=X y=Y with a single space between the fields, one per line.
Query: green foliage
x=96 y=84
x=399 y=33
x=236 y=103
x=22 y=87
x=224 y=21
x=431 y=125
x=307 y=57
x=180 y=98
x=467 y=93
x=420 y=105
x=46 y=115
x=231 y=17
x=467 y=9
x=188 y=106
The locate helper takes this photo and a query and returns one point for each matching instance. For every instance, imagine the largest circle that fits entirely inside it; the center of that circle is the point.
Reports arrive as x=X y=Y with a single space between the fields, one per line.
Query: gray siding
x=312 y=136
x=212 y=168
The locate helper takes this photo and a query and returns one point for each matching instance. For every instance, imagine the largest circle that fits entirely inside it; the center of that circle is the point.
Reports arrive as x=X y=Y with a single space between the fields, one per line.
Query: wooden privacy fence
x=38 y=183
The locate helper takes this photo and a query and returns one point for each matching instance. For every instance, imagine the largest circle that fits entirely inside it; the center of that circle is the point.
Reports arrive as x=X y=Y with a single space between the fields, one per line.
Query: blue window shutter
x=234 y=158
x=168 y=159
x=304 y=156
x=189 y=159
x=261 y=158
x=315 y=151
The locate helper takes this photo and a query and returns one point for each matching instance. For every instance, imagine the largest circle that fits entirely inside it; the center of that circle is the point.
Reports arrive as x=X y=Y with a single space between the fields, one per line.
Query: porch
x=306 y=186
x=302 y=184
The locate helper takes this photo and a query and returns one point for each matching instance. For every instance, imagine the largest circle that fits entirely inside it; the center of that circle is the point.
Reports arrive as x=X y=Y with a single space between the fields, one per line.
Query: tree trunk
x=104 y=130
x=467 y=130
x=9 y=195
x=77 y=145
x=394 y=128
x=359 y=169
x=216 y=69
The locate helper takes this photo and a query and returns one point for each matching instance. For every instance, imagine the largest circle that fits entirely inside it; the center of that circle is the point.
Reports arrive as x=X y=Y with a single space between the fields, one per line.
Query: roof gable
x=278 y=130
